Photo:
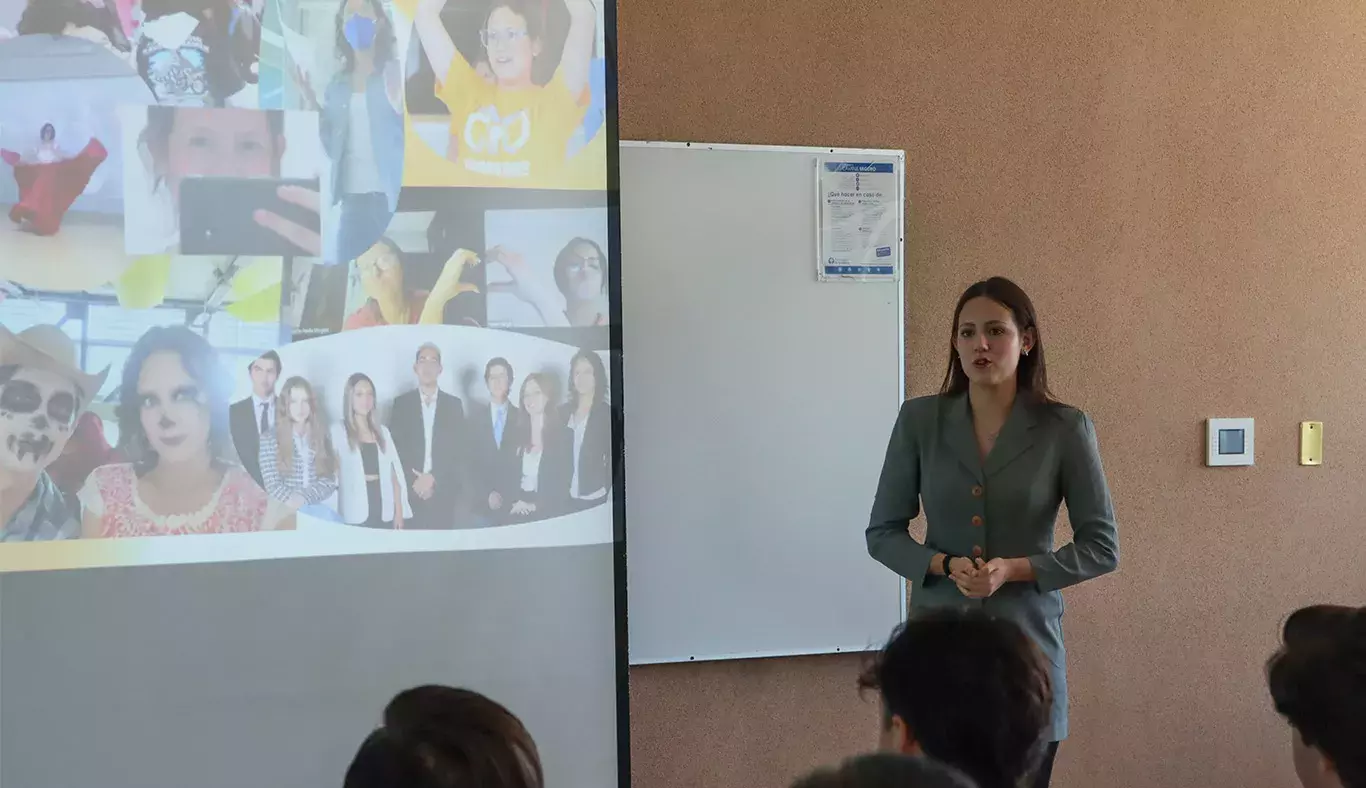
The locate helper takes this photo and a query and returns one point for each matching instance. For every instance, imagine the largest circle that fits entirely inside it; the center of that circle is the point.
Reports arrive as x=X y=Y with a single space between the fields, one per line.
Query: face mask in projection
x=37 y=412
x=360 y=32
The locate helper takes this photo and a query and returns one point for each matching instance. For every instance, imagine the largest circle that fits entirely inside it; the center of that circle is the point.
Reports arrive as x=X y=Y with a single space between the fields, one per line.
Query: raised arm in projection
x=436 y=42
x=577 y=59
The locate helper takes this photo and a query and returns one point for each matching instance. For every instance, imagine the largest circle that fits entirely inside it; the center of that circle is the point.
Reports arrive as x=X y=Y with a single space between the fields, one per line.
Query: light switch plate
x=1311 y=443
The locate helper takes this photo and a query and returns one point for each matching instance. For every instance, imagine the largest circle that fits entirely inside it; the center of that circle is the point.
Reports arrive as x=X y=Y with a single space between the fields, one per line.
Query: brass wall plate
x=1311 y=443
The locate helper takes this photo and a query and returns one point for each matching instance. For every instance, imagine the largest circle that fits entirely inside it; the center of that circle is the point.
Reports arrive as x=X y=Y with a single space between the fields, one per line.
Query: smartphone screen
x=217 y=216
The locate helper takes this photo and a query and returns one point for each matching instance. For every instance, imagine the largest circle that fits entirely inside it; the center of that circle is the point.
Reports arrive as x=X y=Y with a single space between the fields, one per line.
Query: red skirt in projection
x=46 y=190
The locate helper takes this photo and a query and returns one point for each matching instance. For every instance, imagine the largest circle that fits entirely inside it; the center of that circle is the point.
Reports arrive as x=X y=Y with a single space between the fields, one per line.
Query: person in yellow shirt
x=509 y=127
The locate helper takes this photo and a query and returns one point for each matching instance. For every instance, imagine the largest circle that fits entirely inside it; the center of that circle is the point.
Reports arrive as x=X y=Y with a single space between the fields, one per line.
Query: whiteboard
x=758 y=403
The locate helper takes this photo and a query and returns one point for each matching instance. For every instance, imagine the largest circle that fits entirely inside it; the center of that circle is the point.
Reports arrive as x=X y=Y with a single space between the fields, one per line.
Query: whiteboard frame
x=901 y=282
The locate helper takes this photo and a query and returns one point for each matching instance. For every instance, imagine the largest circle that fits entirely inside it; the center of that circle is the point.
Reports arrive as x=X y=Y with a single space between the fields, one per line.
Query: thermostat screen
x=1230 y=441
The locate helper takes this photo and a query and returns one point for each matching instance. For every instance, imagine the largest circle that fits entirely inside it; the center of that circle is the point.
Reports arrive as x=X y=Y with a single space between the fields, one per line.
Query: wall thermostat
x=1228 y=442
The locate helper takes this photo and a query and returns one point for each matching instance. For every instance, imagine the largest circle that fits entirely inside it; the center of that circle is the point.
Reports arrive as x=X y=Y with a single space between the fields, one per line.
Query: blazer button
x=977 y=520
x=977 y=552
x=977 y=491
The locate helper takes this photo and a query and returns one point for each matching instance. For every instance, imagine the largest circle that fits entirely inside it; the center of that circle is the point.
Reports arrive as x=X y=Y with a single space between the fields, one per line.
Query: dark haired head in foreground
x=887 y=770
x=442 y=737
x=1318 y=683
x=966 y=689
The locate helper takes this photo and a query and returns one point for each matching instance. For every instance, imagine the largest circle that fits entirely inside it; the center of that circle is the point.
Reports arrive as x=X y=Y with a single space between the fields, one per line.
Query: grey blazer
x=1003 y=508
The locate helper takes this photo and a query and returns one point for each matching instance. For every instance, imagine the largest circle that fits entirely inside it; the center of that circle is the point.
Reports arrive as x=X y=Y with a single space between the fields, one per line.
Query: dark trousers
x=1045 y=774
x=437 y=513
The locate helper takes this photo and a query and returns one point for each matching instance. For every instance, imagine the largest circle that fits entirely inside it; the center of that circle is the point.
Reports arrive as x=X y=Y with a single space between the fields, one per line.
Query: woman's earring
x=1026 y=351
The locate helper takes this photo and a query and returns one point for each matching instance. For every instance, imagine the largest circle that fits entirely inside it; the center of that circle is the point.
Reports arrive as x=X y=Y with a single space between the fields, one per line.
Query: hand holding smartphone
x=266 y=217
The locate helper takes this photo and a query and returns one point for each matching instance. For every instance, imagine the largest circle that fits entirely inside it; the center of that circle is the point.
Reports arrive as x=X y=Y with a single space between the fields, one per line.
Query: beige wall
x=1181 y=186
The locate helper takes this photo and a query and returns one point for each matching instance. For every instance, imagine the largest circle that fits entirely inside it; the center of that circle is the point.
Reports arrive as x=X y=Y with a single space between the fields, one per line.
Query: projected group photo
x=346 y=429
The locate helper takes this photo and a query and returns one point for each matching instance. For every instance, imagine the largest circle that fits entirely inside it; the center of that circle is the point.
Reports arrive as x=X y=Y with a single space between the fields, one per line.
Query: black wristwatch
x=947 y=559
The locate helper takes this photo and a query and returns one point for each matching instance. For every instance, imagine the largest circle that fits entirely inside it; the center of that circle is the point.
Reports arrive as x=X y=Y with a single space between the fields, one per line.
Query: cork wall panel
x=1181 y=187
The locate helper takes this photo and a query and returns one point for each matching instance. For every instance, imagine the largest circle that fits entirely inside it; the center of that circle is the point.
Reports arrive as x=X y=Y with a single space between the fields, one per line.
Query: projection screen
x=309 y=382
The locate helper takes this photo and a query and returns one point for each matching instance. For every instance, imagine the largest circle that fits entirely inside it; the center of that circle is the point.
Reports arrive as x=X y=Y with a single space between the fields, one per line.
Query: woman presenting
x=992 y=457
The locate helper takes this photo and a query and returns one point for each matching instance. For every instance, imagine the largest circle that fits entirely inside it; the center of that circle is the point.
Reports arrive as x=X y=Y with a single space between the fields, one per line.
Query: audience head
x=1318 y=683
x=887 y=770
x=967 y=689
x=442 y=737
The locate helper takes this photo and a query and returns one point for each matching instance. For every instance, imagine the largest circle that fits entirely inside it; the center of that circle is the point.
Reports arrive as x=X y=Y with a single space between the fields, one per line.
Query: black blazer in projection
x=244 y=424
x=594 y=460
x=448 y=440
x=552 y=479
x=491 y=463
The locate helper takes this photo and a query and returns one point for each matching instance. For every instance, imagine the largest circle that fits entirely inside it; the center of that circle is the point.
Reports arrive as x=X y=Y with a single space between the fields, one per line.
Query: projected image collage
x=301 y=277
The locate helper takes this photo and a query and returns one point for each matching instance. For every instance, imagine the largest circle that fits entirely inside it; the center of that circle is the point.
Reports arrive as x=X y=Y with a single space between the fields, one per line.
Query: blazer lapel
x=419 y=428
x=959 y=436
x=440 y=421
x=1015 y=439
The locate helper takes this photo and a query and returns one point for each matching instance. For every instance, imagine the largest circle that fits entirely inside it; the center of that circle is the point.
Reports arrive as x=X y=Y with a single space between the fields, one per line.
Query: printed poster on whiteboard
x=858 y=227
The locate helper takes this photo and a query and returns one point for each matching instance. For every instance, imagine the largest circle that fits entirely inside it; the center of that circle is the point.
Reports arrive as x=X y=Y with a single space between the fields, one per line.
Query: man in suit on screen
x=428 y=426
x=493 y=452
x=250 y=418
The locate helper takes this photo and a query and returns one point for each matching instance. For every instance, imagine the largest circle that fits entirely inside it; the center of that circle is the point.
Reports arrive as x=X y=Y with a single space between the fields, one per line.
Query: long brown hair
x=549 y=416
x=1032 y=373
x=324 y=463
x=349 y=413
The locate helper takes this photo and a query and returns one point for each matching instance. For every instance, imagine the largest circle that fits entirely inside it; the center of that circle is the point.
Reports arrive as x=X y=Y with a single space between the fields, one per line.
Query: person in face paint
x=361 y=123
x=42 y=392
x=173 y=427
